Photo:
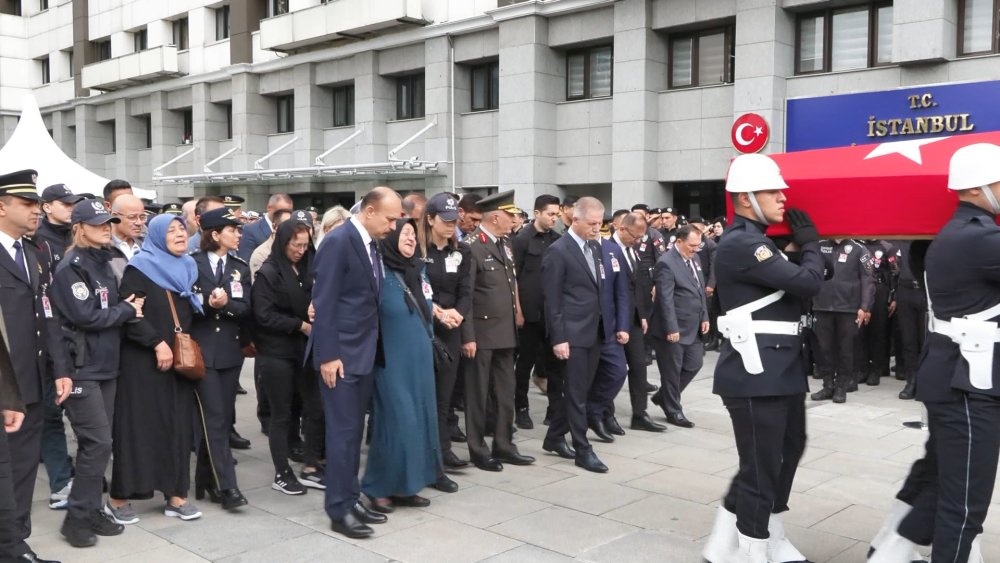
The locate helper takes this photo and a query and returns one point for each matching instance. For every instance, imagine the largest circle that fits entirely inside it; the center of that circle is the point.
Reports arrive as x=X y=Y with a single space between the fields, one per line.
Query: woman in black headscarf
x=280 y=299
x=405 y=455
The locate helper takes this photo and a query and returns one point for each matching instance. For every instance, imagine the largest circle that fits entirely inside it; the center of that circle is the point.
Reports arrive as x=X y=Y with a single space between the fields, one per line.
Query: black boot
x=840 y=387
x=77 y=532
x=851 y=385
x=910 y=389
x=826 y=393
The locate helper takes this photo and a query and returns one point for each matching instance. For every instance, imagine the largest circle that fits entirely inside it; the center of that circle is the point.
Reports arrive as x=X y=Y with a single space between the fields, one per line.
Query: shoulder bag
x=188 y=360
x=442 y=357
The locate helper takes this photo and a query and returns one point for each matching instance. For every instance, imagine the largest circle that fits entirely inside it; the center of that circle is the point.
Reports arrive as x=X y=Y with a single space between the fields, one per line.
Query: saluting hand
x=12 y=421
x=164 y=356
x=330 y=371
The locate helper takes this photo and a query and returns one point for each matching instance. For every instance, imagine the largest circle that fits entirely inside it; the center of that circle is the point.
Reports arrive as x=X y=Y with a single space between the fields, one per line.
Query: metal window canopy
x=393 y=167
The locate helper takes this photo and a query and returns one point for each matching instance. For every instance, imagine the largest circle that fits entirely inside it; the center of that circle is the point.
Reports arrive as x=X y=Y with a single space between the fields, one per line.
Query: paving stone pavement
x=656 y=503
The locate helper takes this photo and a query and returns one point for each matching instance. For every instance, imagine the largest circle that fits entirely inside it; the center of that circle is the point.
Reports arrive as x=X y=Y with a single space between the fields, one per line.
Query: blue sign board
x=894 y=115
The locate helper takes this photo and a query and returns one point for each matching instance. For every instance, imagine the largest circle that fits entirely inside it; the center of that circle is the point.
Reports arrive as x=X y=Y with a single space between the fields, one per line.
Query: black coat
x=219 y=331
x=58 y=237
x=452 y=289
x=23 y=314
x=849 y=285
x=280 y=306
x=528 y=246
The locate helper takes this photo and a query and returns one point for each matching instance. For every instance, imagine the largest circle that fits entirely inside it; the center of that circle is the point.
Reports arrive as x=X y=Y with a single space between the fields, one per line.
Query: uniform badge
x=762 y=253
x=482 y=238
x=236 y=275
x=848 y=249
x=80 y=291
x=878 y=254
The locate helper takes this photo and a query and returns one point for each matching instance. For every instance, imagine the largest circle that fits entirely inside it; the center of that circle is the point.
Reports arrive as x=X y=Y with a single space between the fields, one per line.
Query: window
x=277 y=7
x=343 y=106
x=486 y=86
x=286 y=113
x=147 y=121
x=10 y=7
x=229 y=121
x=180 y=36
x=102 y=49
x=222 y=23
x=44 y=63
x=69 y=61
x=702 y=58
x=589 y=72
x=112 y=131
x=140 y=40
x=410 y=96
x=187 y=118
x=43 y=5
x=846 y=38
x=977 y=31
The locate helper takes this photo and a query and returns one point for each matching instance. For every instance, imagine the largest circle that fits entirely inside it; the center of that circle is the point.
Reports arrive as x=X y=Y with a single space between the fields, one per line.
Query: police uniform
x=447 y=271
x=759 y=373
x=492 y=327
x=92 y=314
x=872 y=351
x=218 y=333
x=911 y=316
x=850 y=287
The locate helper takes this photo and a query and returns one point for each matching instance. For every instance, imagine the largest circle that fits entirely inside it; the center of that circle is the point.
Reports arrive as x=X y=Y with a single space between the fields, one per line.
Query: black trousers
x=216 y=396
x=569 y=397
x=635 y=356
x=12 y=543
x=55 y=455
x=25 y=452
x=872 y=350
x=344 y=408
x=91 y=411
x=444 y=380
x=678 y=364
x=770 y=439
x=612 y=370
x=835 y=334
x=532 y=353
x=964 y=444
x=911 y=314
x=281 y=378
x=494 y=367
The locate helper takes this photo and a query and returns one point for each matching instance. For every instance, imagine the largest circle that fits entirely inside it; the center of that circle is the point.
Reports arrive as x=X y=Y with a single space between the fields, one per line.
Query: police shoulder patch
x=80 y=291
x=762 y=253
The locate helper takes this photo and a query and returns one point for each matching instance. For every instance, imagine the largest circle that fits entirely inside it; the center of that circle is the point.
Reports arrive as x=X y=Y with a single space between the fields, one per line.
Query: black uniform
x=872 y=351
x=11 y=545
x=448 y=273
x=218 y=334
x=85 y=294
x=533 y=351
x=849 y=287
x=963 y=277
x=58 y=237
x=767 y=409
x=911 y=317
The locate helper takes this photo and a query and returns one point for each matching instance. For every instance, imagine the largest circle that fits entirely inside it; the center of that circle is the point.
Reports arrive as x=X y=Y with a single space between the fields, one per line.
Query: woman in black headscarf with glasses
x=405 y=455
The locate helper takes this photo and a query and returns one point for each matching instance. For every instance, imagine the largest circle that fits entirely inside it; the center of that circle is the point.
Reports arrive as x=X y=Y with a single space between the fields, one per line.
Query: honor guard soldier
x=873 y=341
x=26 y=313
x=959 y=375
x=759 y=374
x=489 y=336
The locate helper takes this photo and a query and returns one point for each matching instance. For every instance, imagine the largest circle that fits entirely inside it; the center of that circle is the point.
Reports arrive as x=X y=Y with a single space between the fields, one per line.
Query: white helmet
x=754 y=173
x=974 y=166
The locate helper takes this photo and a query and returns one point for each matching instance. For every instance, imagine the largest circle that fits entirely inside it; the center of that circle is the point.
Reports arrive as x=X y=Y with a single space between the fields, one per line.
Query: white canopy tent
x=31 y=146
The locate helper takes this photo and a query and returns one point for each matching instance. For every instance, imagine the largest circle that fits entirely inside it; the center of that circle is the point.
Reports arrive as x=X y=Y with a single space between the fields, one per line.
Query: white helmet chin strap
x=988 y=193
x=760 y=214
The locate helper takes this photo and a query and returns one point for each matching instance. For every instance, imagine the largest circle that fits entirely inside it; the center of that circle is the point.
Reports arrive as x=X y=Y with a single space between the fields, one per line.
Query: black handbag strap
x=413 y=301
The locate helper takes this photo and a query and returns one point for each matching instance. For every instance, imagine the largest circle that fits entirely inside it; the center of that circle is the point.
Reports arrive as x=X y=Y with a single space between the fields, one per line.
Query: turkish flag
x=888 y=190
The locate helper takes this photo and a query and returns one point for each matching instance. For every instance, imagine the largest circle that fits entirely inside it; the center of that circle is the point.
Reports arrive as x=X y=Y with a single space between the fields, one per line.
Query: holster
x=976 y=340
x=738 y=328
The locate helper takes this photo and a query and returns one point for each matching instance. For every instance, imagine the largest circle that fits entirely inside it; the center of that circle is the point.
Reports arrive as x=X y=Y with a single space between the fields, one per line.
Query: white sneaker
x=751 y=550
x=60 y=499
x=722 y=542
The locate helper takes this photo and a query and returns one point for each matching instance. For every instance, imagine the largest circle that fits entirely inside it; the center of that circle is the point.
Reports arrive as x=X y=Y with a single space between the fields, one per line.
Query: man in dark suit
x=344 y=345
x=259 y=231
x=574 y=272
x=25 y=278
x=680 y=314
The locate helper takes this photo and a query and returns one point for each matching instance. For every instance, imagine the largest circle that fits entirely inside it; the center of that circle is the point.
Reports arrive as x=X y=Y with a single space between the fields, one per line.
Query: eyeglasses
x=134 y=217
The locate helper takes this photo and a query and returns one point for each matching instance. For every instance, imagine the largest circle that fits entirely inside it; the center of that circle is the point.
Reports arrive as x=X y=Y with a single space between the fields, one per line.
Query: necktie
x=630 y=258
x=588 y=253
x=376 y=264
x=693 y=270
x=218 y=272
x=19 y=258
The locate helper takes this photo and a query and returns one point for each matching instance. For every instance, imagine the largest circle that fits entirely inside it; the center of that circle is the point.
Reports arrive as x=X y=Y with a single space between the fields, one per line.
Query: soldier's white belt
x=976 y=340
x=739 y=327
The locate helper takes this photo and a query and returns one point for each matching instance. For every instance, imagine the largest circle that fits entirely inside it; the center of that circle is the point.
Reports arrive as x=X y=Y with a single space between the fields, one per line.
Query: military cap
x=233 y=201
x=503 y=201
x=173 y=208
x=314 y=209
x=216 y=218
x=20 y=184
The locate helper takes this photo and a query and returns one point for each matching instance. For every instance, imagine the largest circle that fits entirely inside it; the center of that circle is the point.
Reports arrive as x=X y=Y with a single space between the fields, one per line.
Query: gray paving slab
x=586 y=494
x=563 y=530
x=441 y=541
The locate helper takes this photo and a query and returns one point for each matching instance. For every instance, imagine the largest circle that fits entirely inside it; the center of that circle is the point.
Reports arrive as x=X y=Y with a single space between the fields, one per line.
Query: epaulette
x=238 y=259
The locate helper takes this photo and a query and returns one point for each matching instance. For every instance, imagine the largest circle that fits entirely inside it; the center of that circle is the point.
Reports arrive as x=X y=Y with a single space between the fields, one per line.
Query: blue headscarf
x=173 y=273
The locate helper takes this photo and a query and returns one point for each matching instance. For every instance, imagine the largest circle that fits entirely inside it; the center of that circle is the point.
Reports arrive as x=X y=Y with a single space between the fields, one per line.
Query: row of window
x=179 y=35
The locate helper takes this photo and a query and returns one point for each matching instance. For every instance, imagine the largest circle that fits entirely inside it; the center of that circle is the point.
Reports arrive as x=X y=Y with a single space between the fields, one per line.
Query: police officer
x=54 y=226
x=759 y=374
x=224 y=284
x=873 y=339
x=842 y=307
x=447 y=266
x=91 y=315
x=173 y=208
x=911 y=317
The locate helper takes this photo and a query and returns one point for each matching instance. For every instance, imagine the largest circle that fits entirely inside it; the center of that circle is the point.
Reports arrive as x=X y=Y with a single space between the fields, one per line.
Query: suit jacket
x=25 y=320
x=680 y=298
x=345 y=298
x=706 y=253
x=639 y=287
x=616 y=291
x=218 y=332
x=494 y=288
x=572 y=296
x=253 y=234
x=10 y=395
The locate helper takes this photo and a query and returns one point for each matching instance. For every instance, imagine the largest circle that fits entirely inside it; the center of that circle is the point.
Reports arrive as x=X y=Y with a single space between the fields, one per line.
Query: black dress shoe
x=77 y=532
x=651 y=388
x=513 y=458
x=488 y=464
x=366 y=516
x=456 y=434
x=32 y=557
x=644 y=422
x=232 y=499
x=383 y=505
x=598 y=428
x=445 y=485
x=351 y=526
x=680 y=420
x=559 y=447
x=238 y=442
x=240 y=390
x=657 y=400
x=452 y=461
x=414 y=501
x=523 y=420
x=548 y=420
x=612 y=426
x=590 y=462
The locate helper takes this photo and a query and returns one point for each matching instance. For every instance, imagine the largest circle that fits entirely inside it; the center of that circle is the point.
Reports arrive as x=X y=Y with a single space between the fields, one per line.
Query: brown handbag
x=187 y=354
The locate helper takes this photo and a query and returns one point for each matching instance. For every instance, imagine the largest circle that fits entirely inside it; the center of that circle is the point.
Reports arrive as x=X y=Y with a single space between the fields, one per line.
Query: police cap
x=92 y=212
x=173 y=208
x=218 y=218
x=60 y=192
x=233 y=201
x=20 y=184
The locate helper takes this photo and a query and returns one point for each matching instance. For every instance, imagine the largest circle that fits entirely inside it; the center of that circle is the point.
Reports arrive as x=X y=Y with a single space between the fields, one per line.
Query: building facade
x=626 y=100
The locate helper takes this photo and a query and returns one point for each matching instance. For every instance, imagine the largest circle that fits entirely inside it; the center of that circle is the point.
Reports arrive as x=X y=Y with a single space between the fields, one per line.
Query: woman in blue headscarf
x=153 y=428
